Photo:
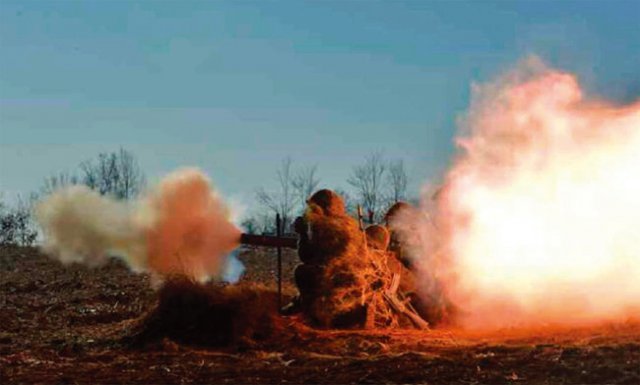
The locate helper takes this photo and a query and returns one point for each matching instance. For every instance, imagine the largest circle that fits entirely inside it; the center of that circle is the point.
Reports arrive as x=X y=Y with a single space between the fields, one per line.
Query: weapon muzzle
x=268 y=241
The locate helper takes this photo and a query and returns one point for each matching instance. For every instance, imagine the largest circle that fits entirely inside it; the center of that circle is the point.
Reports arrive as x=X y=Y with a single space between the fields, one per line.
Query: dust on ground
x=69 y=324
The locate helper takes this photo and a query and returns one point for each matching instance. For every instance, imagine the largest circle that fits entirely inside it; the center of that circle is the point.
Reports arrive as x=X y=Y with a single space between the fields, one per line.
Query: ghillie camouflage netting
x=357 y=288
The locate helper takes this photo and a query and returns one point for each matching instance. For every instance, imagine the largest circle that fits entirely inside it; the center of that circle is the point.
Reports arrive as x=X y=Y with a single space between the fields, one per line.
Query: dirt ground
x=69 y=325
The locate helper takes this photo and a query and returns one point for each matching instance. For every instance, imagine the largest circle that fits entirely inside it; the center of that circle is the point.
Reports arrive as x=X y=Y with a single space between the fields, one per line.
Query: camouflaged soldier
x=396 y=244
x=401 y=263
x=432 y=305
x=313 y=251
x=377 y=237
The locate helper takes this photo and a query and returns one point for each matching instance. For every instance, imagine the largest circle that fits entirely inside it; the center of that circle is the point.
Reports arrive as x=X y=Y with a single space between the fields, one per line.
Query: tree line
x=116 y=174
x=375 y=184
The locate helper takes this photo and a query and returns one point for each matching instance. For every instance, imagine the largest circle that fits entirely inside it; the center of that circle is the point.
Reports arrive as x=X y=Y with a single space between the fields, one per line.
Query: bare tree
x=131 y=179
x=397 y=181
x=115 y=173
x=349 y=202
x=283 y=200
x=367 y=179
x=57 y=181
x=259 y=223
x=16 y=223
x=305 y=183
x=101 y=176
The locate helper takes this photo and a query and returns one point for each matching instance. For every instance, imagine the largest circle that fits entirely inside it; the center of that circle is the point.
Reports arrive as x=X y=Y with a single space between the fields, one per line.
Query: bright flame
x=540 y=215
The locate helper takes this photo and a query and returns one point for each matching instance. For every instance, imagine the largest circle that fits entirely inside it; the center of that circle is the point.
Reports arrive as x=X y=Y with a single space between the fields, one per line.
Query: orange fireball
x=539 y=218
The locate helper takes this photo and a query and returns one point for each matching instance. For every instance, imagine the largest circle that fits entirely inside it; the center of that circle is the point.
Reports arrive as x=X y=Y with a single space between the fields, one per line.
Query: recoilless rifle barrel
x=268 y=241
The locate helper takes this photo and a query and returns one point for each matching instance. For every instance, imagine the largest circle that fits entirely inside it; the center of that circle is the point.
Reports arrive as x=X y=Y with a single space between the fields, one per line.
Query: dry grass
x=67 y=325
x=211 y=316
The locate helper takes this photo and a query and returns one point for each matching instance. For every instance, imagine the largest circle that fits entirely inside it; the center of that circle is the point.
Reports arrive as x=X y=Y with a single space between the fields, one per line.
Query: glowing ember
x=540 y=215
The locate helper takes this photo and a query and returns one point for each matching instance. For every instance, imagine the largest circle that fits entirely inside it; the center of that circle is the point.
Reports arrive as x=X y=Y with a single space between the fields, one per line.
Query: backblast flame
x=539 y=217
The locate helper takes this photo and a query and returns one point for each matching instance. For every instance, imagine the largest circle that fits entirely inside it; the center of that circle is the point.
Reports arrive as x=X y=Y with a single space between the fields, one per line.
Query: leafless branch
x=283 y=200
x=367 y=179
x=115 y=173
x=305 y=183
x=397 y=181
x=57 y=181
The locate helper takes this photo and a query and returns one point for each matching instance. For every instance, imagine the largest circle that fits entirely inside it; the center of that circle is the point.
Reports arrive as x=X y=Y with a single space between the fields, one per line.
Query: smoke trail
x=539 y=217
x=180 y=227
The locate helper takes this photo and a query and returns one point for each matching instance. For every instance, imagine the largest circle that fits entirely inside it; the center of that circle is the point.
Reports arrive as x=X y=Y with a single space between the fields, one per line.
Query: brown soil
x=75 y=325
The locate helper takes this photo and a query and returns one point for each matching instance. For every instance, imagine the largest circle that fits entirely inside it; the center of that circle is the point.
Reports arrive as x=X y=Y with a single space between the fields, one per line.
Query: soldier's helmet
x=394 y=211
x=330 y=202
x=377 y=237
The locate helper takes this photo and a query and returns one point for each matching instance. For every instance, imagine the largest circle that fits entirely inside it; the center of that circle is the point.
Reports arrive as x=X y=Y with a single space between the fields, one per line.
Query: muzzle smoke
x=179 y=228
x=538 y=219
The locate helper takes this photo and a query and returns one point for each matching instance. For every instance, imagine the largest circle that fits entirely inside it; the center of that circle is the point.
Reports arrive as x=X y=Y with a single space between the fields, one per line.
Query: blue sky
x=234 y=87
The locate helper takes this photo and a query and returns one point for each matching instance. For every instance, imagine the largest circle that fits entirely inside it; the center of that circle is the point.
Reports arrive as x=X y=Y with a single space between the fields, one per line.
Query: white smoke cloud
x=539 y=217
x=180 y=227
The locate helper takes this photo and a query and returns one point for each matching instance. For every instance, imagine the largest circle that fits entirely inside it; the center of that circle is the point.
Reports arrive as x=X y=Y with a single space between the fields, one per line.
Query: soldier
x=388 y=265
x=433 y=304
x=377 y=237
x=400 y=262
x=396 y=213
x=313 y=251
